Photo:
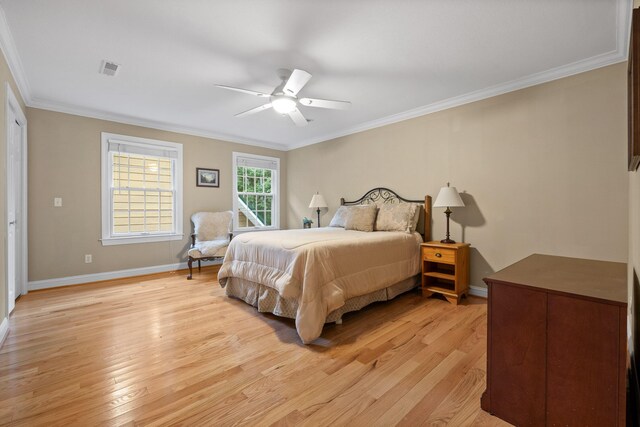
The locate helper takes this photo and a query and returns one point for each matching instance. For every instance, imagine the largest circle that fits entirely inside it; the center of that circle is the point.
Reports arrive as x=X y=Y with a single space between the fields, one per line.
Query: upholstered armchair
x=211 y=237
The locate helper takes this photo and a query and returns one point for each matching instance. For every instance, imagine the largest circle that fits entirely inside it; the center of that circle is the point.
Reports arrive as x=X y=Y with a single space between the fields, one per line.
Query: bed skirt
x=267 y=300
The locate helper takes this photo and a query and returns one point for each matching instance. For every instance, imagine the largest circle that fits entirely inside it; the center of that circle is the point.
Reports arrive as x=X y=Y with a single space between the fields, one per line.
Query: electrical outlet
x=88 y=259
x=57 y=202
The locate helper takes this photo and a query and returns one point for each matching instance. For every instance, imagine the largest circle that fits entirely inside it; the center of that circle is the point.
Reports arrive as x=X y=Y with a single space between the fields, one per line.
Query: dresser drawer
x=444 y=255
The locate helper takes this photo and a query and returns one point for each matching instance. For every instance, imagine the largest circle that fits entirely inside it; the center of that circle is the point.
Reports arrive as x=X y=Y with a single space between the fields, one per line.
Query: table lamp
x=317 y=201
x=448 y=197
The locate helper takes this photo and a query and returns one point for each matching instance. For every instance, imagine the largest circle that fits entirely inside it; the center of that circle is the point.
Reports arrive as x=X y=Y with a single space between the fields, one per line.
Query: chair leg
x=199 y=269
x=190 y=276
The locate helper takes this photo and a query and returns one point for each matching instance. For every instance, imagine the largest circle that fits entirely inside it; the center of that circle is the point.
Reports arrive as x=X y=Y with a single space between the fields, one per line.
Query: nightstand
x=445 y=269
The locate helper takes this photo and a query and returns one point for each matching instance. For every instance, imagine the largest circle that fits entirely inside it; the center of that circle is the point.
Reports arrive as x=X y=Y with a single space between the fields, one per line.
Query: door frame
x=13 y=106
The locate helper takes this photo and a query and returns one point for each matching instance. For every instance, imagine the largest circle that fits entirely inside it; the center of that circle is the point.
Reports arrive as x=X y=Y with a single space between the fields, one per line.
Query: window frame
x=108 y=238
x=275 y=185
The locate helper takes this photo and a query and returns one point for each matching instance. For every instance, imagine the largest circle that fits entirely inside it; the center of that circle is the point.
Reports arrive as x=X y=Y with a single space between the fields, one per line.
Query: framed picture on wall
x=207 y=177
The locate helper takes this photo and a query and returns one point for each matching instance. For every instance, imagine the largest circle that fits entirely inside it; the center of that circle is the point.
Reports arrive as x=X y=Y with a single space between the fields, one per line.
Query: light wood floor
x=162 y=350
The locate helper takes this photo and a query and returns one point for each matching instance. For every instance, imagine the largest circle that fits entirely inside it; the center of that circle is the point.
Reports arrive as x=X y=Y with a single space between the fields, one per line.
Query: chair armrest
x=230 y=236
x=193 y=239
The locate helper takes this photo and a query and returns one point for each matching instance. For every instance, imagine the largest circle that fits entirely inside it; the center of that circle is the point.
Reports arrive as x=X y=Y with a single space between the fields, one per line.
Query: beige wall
x=542 y=169
x=5 y=76
x=64 y=161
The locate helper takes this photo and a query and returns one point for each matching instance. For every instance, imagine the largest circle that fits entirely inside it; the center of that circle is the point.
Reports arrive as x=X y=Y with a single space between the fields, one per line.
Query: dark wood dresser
x=556 y=342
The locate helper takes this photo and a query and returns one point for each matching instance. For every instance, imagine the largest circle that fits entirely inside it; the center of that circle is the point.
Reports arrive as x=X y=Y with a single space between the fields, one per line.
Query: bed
x=316 y=275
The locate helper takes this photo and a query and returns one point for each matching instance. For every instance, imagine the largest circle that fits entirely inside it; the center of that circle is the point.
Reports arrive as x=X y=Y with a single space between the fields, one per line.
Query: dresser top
x=601 y=280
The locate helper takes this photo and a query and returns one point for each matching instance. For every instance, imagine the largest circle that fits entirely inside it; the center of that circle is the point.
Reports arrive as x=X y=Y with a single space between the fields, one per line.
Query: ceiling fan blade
x=254 y=110
x=250 y=92
x=297 y=80
x=325 y=103
x=298 y=118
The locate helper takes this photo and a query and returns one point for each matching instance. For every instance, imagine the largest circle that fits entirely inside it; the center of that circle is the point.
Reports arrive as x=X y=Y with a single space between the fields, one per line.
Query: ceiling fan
x=284 y=98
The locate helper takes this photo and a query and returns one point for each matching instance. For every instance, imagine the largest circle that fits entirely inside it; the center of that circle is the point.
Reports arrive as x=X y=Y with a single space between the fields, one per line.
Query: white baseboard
x=4 y=330
x=478 y=291
x=107 y=275
x=119 y=274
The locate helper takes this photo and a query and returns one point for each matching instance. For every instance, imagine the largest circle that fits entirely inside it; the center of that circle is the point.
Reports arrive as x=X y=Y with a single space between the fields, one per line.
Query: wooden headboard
x=381 y=196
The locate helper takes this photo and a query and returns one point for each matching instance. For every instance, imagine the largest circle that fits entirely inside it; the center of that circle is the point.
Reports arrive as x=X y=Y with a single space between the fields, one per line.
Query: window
x=141 y=190
x=255 y=192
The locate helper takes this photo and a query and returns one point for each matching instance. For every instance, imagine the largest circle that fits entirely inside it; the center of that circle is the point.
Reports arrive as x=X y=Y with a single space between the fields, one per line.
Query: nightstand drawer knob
x=438 y=254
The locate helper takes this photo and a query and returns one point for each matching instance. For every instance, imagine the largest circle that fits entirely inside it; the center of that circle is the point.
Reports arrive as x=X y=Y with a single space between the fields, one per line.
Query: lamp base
x=447 y=239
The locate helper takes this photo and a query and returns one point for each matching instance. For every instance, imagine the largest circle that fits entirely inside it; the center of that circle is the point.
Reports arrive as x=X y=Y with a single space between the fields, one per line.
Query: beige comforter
x=321 y=267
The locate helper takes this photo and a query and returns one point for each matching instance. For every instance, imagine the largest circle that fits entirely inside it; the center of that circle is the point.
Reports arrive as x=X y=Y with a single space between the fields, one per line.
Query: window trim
x=275 y=214
x=105 y=186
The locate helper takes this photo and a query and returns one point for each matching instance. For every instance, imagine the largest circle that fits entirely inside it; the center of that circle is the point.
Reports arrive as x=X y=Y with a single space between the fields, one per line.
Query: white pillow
x=396 y=217
x=361 y=217
x=339 y=217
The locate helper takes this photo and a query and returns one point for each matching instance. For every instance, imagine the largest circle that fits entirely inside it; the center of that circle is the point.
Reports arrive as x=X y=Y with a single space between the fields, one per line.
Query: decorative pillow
x=361 y=218
x=416 y=218
x=340 y=217
x=396 y=217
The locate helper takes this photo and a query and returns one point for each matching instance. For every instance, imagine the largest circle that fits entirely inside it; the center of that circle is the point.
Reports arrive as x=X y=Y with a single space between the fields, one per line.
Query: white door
x=14 y=192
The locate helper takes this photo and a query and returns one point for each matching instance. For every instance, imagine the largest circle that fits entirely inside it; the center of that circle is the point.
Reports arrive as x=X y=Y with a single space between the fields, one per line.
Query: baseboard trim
x=478 y=291
x=37 y=285
x=4 y=331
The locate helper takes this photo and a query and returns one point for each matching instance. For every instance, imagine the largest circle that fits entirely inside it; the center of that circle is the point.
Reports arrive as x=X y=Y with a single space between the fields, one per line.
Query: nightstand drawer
x=444 y=255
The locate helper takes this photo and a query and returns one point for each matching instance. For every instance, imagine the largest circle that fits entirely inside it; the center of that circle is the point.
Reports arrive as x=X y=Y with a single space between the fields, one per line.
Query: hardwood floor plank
x=431 y=401
x=454 y=410
x=395 y=413
x=161 y=350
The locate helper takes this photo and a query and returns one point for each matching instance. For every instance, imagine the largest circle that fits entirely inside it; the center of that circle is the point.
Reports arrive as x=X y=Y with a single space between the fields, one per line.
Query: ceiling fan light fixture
x=283 y=105
x=284 y=98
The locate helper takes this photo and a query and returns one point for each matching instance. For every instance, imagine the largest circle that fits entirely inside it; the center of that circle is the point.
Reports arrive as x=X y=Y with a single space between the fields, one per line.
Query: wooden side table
x=445 y=270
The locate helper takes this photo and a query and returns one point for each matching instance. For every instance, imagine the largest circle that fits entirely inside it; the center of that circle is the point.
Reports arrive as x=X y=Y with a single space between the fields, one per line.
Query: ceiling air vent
x=109 y=68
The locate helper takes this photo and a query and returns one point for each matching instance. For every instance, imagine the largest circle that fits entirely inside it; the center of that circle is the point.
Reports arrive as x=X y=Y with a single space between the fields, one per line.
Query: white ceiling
x=392 y=59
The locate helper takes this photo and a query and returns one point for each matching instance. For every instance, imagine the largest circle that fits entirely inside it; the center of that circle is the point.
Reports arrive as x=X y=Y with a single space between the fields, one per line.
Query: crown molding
x=8 y=47
x=623 y=23
x=599 y=61
x=620 y=54
x=135 y=121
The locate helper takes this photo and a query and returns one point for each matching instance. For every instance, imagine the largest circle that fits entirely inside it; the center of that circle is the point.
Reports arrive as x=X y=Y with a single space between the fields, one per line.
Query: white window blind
x=141 y=192
x=255 y=162
x=116 y=146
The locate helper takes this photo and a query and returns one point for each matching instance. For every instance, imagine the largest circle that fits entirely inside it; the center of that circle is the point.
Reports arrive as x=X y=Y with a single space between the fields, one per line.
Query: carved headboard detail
x=381 y=196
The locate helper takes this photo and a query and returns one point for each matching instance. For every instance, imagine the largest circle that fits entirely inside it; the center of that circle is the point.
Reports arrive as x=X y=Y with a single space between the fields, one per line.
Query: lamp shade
x=317 y=201
x=448 y=197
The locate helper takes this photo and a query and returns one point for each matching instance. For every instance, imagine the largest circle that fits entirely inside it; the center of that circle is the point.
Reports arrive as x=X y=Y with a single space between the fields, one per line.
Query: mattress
x=321 y=269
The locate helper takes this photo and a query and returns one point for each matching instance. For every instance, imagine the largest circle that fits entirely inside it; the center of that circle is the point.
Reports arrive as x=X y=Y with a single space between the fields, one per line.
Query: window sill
x=110 y=241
